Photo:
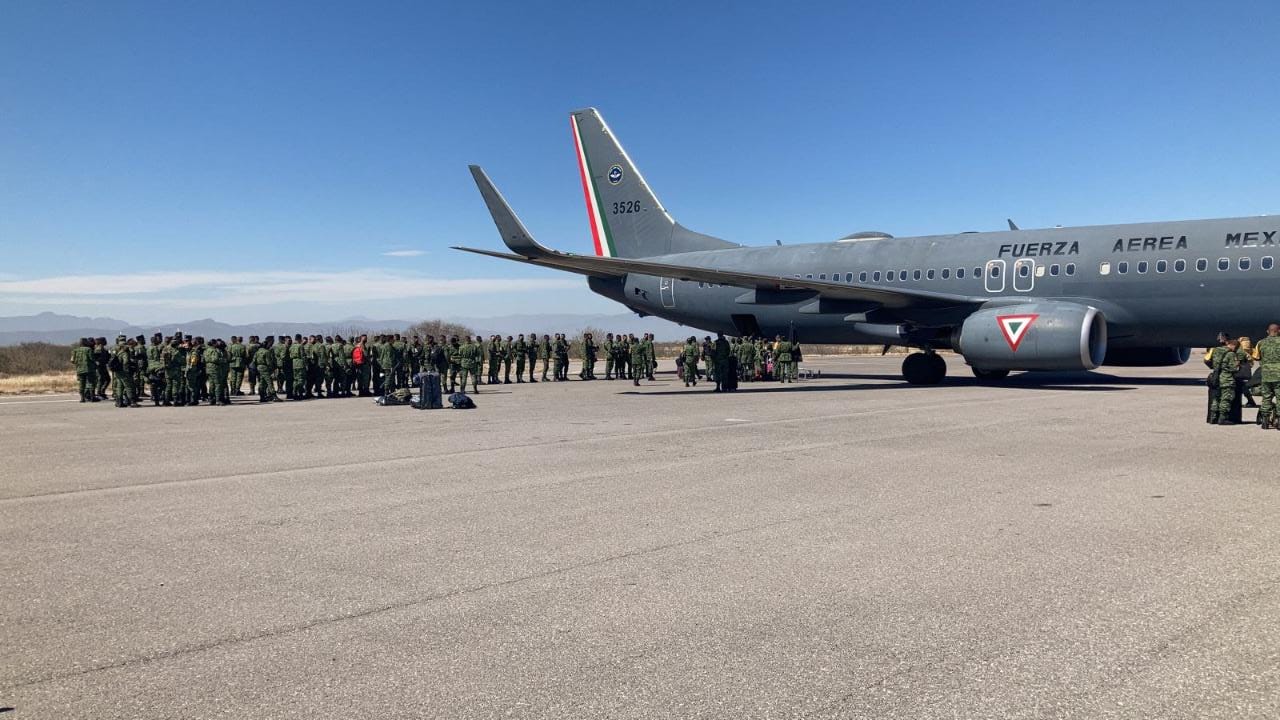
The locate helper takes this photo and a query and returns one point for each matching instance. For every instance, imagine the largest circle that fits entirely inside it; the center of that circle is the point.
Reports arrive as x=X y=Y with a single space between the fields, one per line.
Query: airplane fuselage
x=1158 y=284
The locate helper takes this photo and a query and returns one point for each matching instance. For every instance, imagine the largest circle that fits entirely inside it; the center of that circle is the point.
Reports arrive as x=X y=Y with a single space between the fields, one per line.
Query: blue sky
x=256 y=161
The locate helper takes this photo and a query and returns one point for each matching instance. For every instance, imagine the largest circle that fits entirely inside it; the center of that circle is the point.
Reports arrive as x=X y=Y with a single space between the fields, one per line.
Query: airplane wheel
x=924 y=369
x=990 y=375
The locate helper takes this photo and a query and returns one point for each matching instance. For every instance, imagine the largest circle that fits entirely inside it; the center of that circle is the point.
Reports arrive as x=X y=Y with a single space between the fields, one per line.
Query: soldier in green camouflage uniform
x=156 y=370
x=508 y=356
x=544 y=351
x=635 y=358
x=469 y=354
x=264 y=361
x=532 y=350
x=1267 y=353
x=217 y=370
x=691 y=353
x=175 y=372
x=1225 y=365
x=782 y=363
x=82 y=360
x=235 y=361
x=124 y=370
x=520 y=349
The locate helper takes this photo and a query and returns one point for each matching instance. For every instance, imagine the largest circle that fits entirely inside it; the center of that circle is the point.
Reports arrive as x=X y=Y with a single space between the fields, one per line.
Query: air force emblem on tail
x=615 y=175
x=1014 y=328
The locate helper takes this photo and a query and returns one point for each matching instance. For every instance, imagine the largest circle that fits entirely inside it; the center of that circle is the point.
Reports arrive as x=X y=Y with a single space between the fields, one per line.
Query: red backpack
x=357 y=355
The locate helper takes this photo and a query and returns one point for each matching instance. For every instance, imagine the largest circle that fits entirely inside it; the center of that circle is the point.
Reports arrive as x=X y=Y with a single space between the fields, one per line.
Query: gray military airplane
x=1051 y=299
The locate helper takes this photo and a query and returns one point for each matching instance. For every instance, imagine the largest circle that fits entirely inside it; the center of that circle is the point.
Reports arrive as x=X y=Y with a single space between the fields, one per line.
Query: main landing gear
x=924 y=368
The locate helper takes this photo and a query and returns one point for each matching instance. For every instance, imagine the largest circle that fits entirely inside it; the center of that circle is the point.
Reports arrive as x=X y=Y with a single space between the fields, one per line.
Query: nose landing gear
x=924 y=368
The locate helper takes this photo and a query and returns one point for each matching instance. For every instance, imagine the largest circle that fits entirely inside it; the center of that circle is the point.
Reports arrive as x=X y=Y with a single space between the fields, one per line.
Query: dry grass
x=44 y=384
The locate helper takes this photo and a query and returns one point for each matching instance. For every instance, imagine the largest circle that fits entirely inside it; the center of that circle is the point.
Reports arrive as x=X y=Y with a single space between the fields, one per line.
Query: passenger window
x=929 y=275
x=1023 y=271
x=1071 y=268
x=1202 y=265
x=822 y=276
x=848 y=277
x=1245 y=263
x=808 y=276
x=875 y=277
x=1104 y=268
x=1122 y=267
x=1053 y=270
x=959 y=273
x=1179 y=265
x=915 y=275
x=862 y=277
x=1268 y=263
x=946 y=273
x=1142 y=267
x=889 y=275
x=1162 y=266
x=977 y=272
x=902 y=275
x=1224 y=264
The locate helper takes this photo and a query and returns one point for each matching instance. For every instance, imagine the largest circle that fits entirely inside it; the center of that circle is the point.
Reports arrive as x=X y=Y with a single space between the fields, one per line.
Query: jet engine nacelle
x=1147 y=357
x=1047 y=335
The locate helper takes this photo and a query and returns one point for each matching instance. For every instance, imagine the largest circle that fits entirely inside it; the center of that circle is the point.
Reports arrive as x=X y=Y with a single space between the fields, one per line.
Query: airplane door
x=1024 y=274
x=666 y=288
x=995 y=276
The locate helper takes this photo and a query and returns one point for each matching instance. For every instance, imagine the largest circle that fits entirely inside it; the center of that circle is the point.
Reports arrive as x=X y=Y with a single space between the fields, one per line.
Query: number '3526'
x=626 y=207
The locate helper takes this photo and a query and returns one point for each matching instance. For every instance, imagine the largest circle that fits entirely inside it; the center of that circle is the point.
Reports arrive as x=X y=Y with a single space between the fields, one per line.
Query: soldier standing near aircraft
x=720 y=352
x=520 y=349
x=589 y=350
x=508 y=355
x=691 y=353
x=635 y=359
x=1225 y=365
x=82 y=359
x=1267 y=353
x=782 y=359
x=544 y=352
x=360 y=365
x=139 y=362
x=494 y=352
x=650 y=356
x=175 y=361
x=196 y=388
x=469 y=354
x=610 y=354
x=532 y=350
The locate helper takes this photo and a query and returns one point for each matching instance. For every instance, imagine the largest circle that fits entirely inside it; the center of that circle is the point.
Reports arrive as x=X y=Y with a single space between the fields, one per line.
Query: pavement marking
x=35 y=402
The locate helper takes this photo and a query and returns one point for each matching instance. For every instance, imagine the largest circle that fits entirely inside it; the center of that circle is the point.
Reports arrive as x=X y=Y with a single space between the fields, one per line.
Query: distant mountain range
x=63 y=329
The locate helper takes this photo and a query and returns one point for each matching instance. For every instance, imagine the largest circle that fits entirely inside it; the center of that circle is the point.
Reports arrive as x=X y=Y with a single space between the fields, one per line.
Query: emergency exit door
x=1024 y=275
x=666 y=288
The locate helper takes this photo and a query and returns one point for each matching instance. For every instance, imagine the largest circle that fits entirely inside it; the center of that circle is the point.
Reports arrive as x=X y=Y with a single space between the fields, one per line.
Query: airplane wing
x=713 y=270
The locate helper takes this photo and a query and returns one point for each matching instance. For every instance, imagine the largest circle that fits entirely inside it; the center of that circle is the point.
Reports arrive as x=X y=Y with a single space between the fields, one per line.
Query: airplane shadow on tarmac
x=1066 y=382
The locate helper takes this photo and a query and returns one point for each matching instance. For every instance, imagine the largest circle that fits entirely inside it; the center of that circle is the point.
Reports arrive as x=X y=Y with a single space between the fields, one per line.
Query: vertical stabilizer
x=627 y=220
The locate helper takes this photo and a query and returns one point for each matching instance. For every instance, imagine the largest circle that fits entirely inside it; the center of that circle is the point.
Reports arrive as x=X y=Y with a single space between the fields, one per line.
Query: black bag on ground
x=460 y=401
x=730 y=379
x=429 y=395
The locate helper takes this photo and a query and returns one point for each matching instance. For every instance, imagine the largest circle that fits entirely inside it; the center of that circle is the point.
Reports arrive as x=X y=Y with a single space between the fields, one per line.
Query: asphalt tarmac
x=1069 y=546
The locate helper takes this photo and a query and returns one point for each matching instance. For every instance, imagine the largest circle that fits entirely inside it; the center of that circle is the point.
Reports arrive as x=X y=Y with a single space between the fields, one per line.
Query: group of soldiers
x=181 y=370
x=1231 y=377
x=742 y=359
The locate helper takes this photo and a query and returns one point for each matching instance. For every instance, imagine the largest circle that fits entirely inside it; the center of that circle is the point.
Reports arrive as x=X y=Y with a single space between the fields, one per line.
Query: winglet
x=513 y=232
x=1012 y=226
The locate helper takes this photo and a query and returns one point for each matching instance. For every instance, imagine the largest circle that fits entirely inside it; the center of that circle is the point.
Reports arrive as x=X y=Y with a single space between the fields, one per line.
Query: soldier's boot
x=636 y=382
x=1225 y=419
x=1264 y=421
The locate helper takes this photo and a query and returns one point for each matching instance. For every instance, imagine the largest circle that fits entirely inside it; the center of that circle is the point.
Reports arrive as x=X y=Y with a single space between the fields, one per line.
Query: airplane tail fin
x=626 y=218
